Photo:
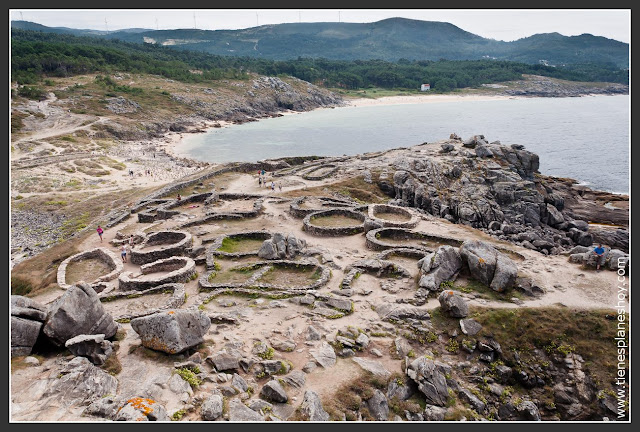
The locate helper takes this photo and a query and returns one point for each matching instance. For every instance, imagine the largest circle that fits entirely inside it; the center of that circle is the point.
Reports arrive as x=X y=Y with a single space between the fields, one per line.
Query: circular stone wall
x=261 y=268
x=177 y=299
x=376 y=239
x=104 y=255
x=376 y=211
x=161 y=245
x=220 y=241
x=174 y=269
x=308 y=226
x=330 y=170
x=324 y=203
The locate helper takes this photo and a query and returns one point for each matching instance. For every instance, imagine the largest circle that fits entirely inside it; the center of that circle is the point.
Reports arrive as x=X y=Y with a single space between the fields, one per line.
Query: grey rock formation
x=172 y=331
x=281 y=246
x=440 y=266
x=80 y=382
x=375 y=367
x=431 y=381
x=27 y=317
x=94 y=347
x=453 y=304
x=311 y=408
x=274 y=392
x=470 y=326
x=211 y=408
x=76 y=312
x=142 y=409
x=378 y=406
x=239 y=412
x=487 y=264
x=324 y=355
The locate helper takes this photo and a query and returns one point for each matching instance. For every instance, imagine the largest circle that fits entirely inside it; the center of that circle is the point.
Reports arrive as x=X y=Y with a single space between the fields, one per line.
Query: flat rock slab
x=172 y=331
x=375 y=367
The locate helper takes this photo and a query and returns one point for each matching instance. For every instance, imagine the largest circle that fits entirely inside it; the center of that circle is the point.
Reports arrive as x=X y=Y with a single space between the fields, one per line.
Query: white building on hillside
x=425 y=87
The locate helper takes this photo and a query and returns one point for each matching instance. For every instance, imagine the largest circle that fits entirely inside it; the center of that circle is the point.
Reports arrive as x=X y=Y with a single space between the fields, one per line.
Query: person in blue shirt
x=599 y=251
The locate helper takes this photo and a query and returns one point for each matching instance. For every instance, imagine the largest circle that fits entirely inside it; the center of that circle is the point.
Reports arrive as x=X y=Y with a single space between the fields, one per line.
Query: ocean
x=584 y=138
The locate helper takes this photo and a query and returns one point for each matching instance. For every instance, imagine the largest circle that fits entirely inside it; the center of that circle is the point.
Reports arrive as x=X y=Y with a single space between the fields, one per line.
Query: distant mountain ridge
x=390 y=39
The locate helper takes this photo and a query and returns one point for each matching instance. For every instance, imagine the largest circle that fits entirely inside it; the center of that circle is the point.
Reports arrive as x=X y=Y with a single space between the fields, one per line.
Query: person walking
x=599 y=252
x=123 y=253
x=100 y=231
x=131 y=241
x=273 y=186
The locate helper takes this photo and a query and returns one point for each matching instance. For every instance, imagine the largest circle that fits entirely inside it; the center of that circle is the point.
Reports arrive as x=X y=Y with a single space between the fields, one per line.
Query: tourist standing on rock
x=123 y=253
x=100 y=231
x=599 y=251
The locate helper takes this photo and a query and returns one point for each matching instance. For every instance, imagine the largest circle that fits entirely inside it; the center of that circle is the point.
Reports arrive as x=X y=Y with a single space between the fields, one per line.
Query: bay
x=584 y=138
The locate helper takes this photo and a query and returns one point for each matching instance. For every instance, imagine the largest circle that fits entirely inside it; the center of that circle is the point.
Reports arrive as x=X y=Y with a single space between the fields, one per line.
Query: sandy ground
x=422 y=99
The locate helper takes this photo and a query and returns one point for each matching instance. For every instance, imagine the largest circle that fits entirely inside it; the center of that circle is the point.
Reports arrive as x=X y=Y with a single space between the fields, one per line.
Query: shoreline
x=173 y=143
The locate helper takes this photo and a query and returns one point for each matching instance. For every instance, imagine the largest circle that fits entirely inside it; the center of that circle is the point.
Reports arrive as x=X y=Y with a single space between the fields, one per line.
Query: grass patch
x=468 y=285
x=21 y=286
x=557 y=331
x=348 y=397
x=240 y=245
x=291 y=276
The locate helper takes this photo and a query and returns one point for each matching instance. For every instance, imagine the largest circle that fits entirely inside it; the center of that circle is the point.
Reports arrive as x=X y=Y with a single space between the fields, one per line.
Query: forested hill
x=391 y=40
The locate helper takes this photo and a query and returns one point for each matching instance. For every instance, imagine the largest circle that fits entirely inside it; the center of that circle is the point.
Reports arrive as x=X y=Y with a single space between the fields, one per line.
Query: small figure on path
x=259 y=181
x=280 y=186
x=273 y=186
x=131 y=241
x=179 y=197
x=599 y=251
x=100 y=231
x=123 y=253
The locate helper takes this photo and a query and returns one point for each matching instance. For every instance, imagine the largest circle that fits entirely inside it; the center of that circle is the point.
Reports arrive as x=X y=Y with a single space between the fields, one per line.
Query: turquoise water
x=585 y=138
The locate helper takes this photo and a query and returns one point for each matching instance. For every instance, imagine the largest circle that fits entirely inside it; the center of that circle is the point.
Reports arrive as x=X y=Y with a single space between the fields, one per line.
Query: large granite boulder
x=440 y=266
x=78 y=312
x=453 y=304
x=172 y=331
x=93 y=347
x=274 y=392
x=431 y=380
x=281 y=246
x=488 y=265
x=27 y=317
x=311 y=408
x=142 y=409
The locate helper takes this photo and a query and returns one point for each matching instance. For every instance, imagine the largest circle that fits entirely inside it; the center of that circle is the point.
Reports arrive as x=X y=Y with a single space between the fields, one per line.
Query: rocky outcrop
x=498 y=189
x=488 y=265
x=172 y=331
x=453 y=304
x=281 y=246
x=27 y=317
x=431 y=381
x=311 y=408
x=93 y=347
x=80 y=382
x=438 y=267
x=78 y=312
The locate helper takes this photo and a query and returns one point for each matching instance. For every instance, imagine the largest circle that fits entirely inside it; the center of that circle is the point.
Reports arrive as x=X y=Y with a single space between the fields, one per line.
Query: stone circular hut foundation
x=376 y=211
x=310 y=176
x=106 y=256
x=375 y=239
x=254 y=285
x=308 y=226
x=326 y=203
x=161 y=245
x=213 y=251
x=174 y=269
x=177 y=299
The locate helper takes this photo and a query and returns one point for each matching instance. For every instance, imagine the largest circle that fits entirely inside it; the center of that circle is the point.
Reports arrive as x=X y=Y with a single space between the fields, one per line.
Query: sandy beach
x=423 y=98
x=173 y=143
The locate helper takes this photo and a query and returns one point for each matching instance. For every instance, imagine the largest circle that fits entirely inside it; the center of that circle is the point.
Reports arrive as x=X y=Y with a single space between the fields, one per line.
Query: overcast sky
x=500 y=24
